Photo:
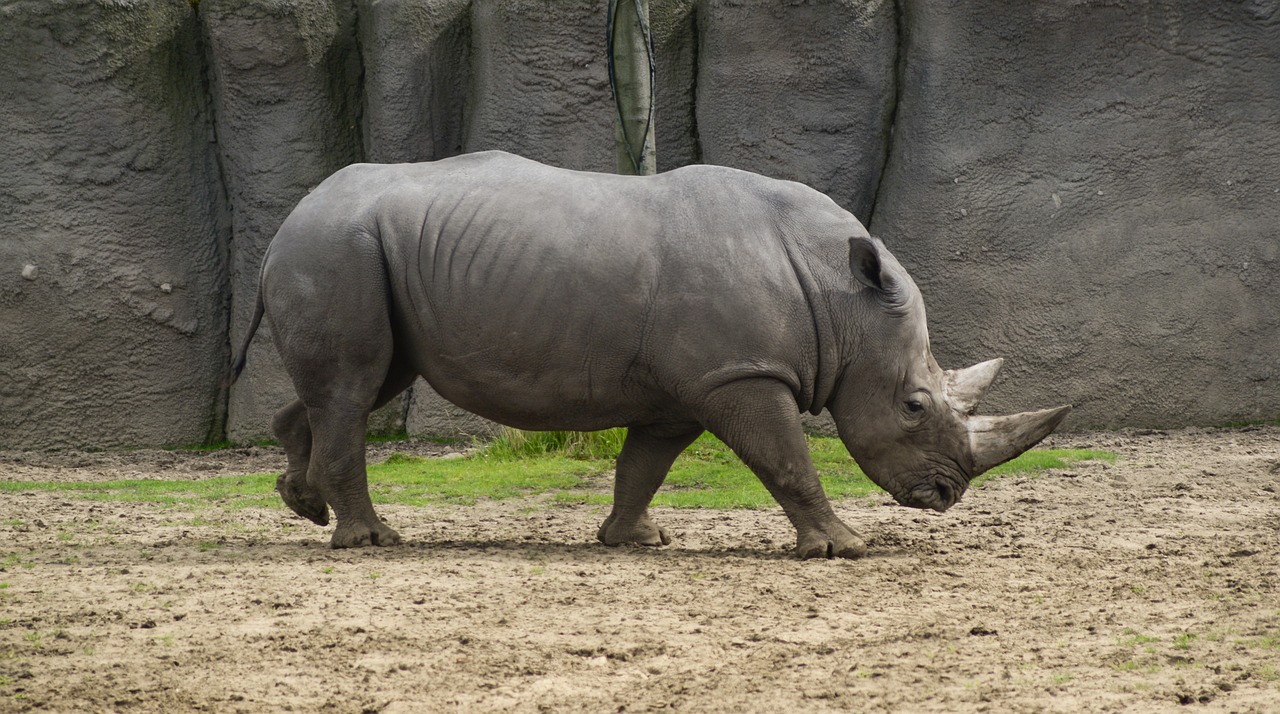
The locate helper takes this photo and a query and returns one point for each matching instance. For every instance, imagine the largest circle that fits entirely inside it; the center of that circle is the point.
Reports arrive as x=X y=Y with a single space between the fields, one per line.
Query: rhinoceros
x=701 y=299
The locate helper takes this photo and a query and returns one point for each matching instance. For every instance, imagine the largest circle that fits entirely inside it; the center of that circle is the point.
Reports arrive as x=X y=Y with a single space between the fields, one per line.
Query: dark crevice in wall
x=698 y=43
x=221 y=405
x=355 y=95
x=693 y=90
x=457 y=52
x=891 y=116
x=469 y=82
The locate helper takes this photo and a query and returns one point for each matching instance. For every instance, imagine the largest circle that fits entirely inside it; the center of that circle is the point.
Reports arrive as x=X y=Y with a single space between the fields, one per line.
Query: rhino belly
x=530 y=368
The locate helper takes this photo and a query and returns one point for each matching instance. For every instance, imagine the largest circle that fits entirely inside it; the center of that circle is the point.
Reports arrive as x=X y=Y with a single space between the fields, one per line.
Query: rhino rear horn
x=995 y=440
x=966 y=387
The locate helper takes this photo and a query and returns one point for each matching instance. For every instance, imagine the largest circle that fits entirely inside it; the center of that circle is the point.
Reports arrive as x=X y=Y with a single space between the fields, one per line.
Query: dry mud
x=1149 y=584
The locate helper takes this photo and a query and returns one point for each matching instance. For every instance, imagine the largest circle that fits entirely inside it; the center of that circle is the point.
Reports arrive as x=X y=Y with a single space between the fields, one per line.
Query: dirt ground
x=1145 y=585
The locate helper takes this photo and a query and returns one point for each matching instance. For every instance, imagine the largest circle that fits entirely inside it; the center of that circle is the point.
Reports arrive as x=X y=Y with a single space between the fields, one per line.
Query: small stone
x=166 y=288
x=30 y=272
x=963 y=212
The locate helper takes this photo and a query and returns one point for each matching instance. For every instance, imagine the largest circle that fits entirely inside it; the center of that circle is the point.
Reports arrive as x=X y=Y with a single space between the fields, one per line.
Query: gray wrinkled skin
x=705 y=298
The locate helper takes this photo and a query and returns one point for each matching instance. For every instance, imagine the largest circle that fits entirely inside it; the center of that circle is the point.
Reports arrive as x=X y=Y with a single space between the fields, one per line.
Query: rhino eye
x=914 y=406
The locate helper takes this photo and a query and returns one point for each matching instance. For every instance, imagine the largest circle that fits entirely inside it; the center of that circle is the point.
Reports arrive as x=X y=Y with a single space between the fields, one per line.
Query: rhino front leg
x=293 y=430
x=647 y=455
x=758 y=419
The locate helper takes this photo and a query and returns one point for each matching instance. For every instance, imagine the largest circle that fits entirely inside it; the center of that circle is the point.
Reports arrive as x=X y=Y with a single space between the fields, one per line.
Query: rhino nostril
x=937 y=495
x=946 y=494
x=922 y=496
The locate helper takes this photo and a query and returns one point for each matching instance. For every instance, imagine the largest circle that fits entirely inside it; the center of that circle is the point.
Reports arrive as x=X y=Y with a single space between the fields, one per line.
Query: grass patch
x=514 y=444
x=1183 y=641
x=710 y=475
x=13 y=560
x=400 y=435
x=1038 y=461
x=707 y=475
x=226 y=491
x=1131 y=666
x=1133 y=637
x=414 y=481
x=1270 y=641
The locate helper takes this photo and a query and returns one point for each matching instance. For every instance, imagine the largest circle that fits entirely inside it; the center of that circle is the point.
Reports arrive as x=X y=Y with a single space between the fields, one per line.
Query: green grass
x=400 y=435
x=1133 y=637
x=1183 y=641
x=709 y=475
x=1131 y=666
x=573 y=468
x=1039 y=460
x=512 y=444
x=415 y=481
x=227 y=491
x=1270 y=640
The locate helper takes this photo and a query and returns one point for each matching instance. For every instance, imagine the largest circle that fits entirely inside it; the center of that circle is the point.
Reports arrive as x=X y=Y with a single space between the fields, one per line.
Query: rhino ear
x=864 y=260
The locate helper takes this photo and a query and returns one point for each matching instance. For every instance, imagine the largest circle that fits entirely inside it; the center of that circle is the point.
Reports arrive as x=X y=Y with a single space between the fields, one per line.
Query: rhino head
x=909 y=423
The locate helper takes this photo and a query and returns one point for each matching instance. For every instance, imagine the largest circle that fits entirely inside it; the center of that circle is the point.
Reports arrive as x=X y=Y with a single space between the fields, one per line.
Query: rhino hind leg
x=337 y=347
x=647 y=455
x=759 y=421
x=293 y=430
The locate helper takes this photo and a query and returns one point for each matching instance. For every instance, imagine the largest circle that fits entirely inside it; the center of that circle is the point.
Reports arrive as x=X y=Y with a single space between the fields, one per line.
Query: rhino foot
x=360 y=534
x=842 y=544
x=642 y=531
x=303 y=501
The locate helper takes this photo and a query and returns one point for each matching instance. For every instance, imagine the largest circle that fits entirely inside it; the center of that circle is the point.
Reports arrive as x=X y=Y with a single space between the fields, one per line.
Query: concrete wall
x=113 y=227
x=1091 y=191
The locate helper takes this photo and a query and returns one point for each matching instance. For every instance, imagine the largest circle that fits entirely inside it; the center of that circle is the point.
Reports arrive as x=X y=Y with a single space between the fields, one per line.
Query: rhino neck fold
x=819 y=375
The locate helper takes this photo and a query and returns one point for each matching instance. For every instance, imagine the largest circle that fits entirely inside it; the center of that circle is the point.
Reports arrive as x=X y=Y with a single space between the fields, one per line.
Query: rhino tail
x=237 y=364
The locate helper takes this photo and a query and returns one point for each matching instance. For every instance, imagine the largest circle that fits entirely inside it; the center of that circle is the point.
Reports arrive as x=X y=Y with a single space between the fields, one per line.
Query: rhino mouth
x=938 y=495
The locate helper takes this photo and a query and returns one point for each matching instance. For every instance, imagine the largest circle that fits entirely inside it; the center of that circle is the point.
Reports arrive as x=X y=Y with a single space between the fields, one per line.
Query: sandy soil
x=1137 y=586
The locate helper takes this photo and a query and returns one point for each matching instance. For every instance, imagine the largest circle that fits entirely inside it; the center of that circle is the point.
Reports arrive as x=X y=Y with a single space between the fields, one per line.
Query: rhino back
x=547 y=298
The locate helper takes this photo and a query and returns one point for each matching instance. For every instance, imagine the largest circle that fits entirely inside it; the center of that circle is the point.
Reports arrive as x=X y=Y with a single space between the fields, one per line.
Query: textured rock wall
x=113 y=227
x=284 y=76
x=1093 y=191
x=1087 y=189
x=799 y=90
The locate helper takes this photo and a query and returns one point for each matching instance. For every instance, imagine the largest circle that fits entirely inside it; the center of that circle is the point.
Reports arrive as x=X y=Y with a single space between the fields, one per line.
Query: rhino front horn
x=995 y=440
